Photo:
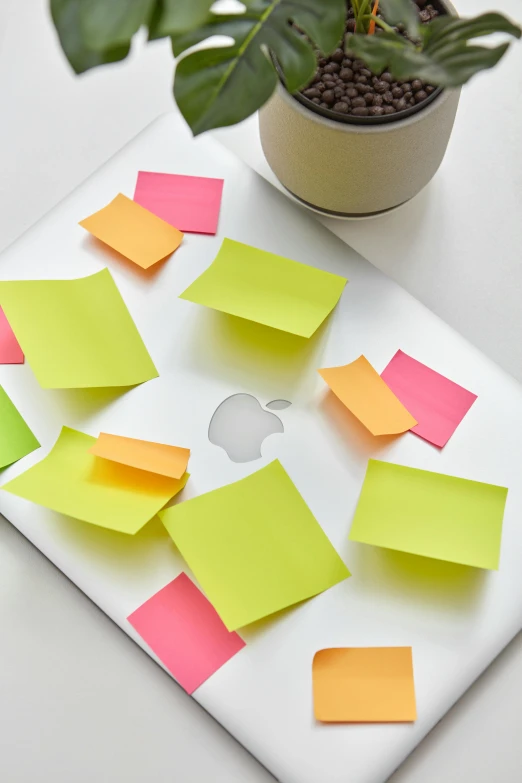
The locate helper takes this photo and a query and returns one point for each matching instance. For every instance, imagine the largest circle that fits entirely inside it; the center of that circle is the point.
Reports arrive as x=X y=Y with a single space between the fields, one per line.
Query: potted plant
x=357 y=97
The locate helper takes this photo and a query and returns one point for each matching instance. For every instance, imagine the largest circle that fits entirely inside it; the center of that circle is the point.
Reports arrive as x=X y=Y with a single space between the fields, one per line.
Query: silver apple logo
x=240 y=425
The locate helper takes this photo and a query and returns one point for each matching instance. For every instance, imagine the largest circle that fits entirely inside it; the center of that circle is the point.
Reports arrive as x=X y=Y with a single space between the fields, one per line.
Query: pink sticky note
x=188 y=203
x=184 y=630
x=438 y=404
x=10 y=351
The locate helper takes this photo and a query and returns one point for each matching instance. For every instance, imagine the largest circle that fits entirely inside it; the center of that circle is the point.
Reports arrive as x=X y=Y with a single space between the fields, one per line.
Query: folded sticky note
x=76 y=333
x=155 y=457
x=73 y=481
x=438 y=404
x=430 y=514
x=254 y=546
x=189 y=203
x=364 y=685
x=16 y=439
x=133 y=231
x=10 y=351
x=365 y=394
x=266 y=288
x=186 y=633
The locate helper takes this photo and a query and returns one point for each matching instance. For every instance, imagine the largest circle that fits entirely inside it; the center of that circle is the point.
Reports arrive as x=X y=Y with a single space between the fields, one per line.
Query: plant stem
x=371 y=28
x=360 y=25
x=382 y=24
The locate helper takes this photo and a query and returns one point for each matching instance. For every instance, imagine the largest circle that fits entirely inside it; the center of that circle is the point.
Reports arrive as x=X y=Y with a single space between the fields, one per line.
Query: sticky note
x=10 y=351
x=16 y=439
x=364 y=685
x=133 y=231
x=430 y=514
x=185 y=632
x=76 y=333
x=72 y=481
x=143 y=454
x=438 y=404
x=254 y=546
x=364 y=393
x=191 y=204
x=266 y=288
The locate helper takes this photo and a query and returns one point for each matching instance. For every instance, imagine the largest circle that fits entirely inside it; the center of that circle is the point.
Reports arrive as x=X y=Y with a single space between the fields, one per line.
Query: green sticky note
x=254 y=546
x=267 y=288
x=74 y=482
x=16 y=439
x=430 y=514
x=76 y=333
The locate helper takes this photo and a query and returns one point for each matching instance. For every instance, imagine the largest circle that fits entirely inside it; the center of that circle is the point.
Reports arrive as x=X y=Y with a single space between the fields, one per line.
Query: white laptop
x=456 y=619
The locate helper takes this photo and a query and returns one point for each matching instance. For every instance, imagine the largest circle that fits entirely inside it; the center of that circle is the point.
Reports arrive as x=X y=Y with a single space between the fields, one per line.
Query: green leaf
x=447 y=29
x=66 y=18
x=322 y=21
x=179 y=15
x=445 y=57
x=110 y=23
x=402 y=12
x=205 y=90
x=221 y=86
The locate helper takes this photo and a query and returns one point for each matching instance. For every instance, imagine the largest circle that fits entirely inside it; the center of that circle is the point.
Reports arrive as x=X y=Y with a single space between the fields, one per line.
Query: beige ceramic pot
x=355 y=170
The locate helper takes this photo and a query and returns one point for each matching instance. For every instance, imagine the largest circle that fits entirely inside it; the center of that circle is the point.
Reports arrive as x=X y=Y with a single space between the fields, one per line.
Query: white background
x=79 y=701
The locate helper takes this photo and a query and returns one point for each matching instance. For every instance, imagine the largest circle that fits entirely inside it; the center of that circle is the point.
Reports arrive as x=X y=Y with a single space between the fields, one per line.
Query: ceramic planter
x=350 y=169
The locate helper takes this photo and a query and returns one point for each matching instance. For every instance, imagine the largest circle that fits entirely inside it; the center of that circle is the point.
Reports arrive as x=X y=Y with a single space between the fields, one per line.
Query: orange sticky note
x=364 y=685
x=365 y=394
x=133 y=231
x=157 y=458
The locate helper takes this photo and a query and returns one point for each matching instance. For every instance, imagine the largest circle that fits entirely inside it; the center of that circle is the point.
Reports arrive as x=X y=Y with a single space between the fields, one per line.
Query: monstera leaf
x=402 y=12
x=443 y=55
x=66 y=15
x=175 y=16
x=110 y=23
x=221 y=86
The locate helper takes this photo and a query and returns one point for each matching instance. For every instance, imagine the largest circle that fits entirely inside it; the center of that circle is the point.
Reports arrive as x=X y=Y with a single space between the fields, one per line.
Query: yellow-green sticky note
x=254 y=546
x=16 y=439
x=430 y=514
x=74 y=482
x=76 y=333
x=267 y=288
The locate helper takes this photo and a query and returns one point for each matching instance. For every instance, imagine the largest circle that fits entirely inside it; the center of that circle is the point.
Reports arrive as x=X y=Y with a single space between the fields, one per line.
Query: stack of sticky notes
x=254 y=546
x=109 y=490
x=150 y=228
x=406 y=396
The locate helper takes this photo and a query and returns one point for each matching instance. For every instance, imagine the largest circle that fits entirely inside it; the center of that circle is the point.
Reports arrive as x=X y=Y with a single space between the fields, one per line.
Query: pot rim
x=428 y=107
x=350 y=119
x=385 y=119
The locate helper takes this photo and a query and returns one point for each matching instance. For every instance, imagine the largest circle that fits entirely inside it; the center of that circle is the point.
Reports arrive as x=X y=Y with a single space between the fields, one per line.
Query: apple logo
x=240 y=425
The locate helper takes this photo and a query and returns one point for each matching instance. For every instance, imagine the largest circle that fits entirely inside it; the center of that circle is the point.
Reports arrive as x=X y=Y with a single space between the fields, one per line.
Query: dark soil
x=346 y=87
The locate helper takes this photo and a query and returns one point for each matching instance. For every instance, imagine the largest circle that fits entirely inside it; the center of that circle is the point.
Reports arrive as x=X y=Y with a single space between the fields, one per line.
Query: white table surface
x=80 y=702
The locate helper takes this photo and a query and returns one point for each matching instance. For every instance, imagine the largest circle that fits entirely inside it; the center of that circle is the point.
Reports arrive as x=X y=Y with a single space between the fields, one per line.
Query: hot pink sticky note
x=438 y=404
x=184 y=630
x=10 y=351
x=189 y=203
